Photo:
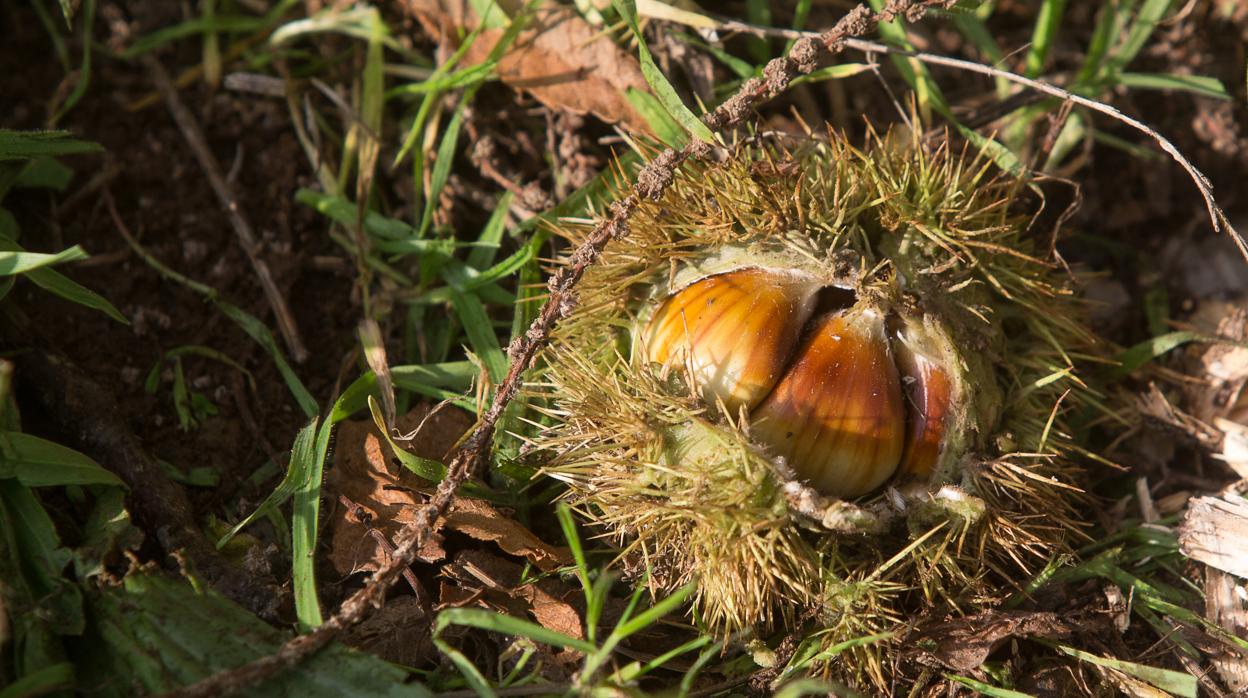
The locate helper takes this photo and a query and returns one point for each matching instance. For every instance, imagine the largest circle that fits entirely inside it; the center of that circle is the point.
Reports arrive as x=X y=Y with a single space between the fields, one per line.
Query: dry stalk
x=651 y=183
x=1217 y=217
x=212 y=169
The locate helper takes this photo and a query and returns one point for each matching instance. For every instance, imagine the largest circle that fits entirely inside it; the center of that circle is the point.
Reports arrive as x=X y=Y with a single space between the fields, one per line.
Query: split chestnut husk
x=827 y=383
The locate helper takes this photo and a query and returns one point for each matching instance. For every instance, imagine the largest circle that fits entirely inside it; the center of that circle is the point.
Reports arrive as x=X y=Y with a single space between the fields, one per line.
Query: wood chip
x=1213 y=532
x=1225 y=601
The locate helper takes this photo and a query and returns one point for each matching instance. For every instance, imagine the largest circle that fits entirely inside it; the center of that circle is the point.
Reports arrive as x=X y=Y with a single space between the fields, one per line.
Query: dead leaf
x=377 y=497
x=965 y=643
x=1049 y=680
x=398 y=632
x=478 y=578
x=489 y=580
x=481 y=521
x=383 y=493
x=558 y=58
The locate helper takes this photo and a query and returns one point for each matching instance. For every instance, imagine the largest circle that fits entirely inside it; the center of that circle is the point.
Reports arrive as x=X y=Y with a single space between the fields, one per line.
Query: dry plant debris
x=383 y=497
x=965 y=643
x=558 y=58
x=1213 y=532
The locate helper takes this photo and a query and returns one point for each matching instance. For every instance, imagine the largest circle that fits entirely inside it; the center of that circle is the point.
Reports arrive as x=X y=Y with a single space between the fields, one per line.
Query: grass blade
x=986 y=689
x=507 y=625
x=1151 y=348
x=303 y=523
x=650 y=615
x=813 y=687
x=1197 y=84
x=15 y=262
x=58 y=284
x=58 y=677
x=21 y=145
x=663 y=89
x=668 y=130
x=84 y=68
x=1146 y=20
x=36 y=462
x=467 y=669
x=445 y=157
x=1175 y=682
x=431 y=470
x=1048 y=21
x=491 y=237
x=481 y=334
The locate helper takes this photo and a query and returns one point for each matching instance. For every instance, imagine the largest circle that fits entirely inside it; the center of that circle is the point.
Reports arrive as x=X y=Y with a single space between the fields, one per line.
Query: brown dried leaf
x=558 y=58
x=491 y=581
x=481 y=521
x=398 y=632
x=377 y=497
x=965 y=643
x=383 y=495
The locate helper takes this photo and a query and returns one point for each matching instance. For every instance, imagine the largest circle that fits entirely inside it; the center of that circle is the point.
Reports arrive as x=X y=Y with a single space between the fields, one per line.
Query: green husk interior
x=679 y=486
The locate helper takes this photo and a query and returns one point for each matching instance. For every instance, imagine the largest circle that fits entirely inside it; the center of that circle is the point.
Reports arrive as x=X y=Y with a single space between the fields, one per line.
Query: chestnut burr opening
x=827 y=378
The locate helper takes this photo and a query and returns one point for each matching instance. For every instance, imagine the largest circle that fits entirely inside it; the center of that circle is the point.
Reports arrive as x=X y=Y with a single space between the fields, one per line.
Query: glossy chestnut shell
x=842 y=401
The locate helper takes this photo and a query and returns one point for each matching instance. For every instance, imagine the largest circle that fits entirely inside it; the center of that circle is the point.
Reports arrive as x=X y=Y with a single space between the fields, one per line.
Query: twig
x=1217 y=217
x=195 y=139
x=359 y=515
x=652 y=182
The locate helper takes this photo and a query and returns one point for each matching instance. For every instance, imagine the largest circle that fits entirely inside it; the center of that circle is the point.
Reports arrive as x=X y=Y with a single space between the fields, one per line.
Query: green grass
x=598 y=649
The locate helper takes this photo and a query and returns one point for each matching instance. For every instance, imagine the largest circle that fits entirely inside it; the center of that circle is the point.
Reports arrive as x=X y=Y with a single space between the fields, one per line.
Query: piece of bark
x=87 y=417
x=560 y=59
x=1213 y=531
x=1225 y=605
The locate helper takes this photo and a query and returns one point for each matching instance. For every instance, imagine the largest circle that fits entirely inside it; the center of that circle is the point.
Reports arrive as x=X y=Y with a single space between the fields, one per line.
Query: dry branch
x=651 y=183
x=86 y=413
x=1217 y=217
x=212 y=169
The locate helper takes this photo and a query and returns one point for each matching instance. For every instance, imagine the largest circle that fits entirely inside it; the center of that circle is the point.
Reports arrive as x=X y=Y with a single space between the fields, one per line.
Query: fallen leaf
x=488 y=581
x=483 y=522
x=382 y=495
x=965 y=643
x=558 y=58
x=376 y=497
x=491 y=576
x=398 y=632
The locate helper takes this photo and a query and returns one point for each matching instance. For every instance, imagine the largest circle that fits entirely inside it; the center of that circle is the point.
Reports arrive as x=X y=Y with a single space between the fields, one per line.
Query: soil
x=164 y=199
